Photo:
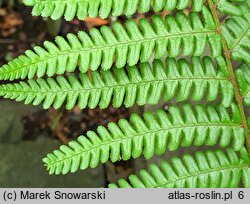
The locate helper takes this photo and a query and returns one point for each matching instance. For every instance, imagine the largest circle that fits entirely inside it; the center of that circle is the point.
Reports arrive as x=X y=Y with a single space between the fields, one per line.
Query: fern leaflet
x=144 y=85
x=209 y=169
x=229 y=7
x=243 y=79
x=153 y=134
x=103 y=8
x=237 y=34
x=99 y=49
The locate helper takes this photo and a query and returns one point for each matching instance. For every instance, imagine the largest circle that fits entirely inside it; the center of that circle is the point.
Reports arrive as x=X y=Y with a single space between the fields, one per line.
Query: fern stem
x=238 y=97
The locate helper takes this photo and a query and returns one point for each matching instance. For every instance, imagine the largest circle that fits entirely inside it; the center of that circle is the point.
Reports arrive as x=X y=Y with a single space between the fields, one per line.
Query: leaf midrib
x=105 y=87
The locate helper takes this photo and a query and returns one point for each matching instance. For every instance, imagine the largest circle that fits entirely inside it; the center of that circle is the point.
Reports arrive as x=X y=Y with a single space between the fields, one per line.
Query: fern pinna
x=126 y=45
x=153 y=134
x=185 y=59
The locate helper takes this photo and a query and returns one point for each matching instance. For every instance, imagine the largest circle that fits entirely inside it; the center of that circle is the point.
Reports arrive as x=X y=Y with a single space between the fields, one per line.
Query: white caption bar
x=128 y=196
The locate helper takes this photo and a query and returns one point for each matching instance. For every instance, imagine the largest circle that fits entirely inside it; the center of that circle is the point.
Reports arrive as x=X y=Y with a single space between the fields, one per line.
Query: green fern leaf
x=237 y=34
x=209 y=169
x=99 y=49
x=153 y=134
x=103 y=8
x=229 y=6
x=144 y=85
x=243 y=79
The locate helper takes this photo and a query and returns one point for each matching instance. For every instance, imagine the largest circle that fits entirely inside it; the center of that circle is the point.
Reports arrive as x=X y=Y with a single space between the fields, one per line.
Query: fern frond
x=229 y=6
x=243 y=80
x=209 y=169
x=103 y=8
x=237 y=34
x=144 y=85
x=129 y=45
x=153 y=134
